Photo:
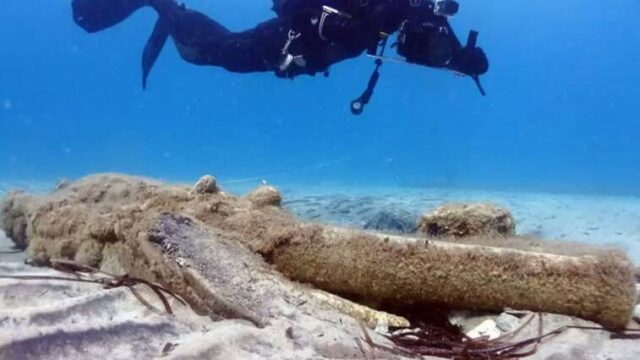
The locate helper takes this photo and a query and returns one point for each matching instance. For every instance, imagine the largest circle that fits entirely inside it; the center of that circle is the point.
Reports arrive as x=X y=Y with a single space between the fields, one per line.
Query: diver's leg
x=96 y=15
x=258 y=49
x=203 y=41
x=199 y=39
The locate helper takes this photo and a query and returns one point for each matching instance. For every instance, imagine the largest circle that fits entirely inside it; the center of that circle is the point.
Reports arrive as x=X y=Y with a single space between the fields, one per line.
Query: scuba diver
x=306 y=37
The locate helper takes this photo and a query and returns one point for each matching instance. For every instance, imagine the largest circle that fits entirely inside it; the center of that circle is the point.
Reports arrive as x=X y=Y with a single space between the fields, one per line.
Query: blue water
x=561 y=112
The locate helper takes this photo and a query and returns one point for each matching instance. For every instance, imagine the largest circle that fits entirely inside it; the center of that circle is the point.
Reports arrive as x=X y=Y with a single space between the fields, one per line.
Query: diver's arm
x=468 y=59
x=435 y=44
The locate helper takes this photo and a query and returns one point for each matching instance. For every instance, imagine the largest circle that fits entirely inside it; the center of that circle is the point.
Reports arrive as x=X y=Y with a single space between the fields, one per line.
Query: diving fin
x=476 y=79
x=153 y=48
x=96 y=15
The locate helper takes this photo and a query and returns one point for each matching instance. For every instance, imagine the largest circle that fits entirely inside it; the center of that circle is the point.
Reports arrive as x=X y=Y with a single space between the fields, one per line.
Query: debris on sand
x=206 y=185
x=461 y=220
x=265 y=196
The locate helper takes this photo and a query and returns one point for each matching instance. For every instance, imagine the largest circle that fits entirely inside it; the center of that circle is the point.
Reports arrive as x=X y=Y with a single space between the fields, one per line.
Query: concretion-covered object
x=265 y=196
x=207 y=185
x=395 y=269
x=171 y=235
x=14 y=210
x=460 y=220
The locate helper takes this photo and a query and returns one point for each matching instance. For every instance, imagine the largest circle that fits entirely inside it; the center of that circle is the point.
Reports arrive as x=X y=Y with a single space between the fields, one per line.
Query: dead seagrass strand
x=400 y=269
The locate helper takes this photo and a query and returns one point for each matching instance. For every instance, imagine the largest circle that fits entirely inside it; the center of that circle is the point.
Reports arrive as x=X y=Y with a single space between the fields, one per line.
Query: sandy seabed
x=602 y=220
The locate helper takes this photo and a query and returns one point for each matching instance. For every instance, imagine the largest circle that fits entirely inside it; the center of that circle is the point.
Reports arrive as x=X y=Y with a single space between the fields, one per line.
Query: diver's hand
x=470 y=61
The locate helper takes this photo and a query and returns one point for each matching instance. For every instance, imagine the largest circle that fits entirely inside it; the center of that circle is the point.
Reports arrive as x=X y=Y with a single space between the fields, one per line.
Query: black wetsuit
x=203 y=41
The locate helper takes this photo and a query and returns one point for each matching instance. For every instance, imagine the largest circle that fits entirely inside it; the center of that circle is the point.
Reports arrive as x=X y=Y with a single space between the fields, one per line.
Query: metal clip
x=326 y=12
x=290 y=37
x=287 y=58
